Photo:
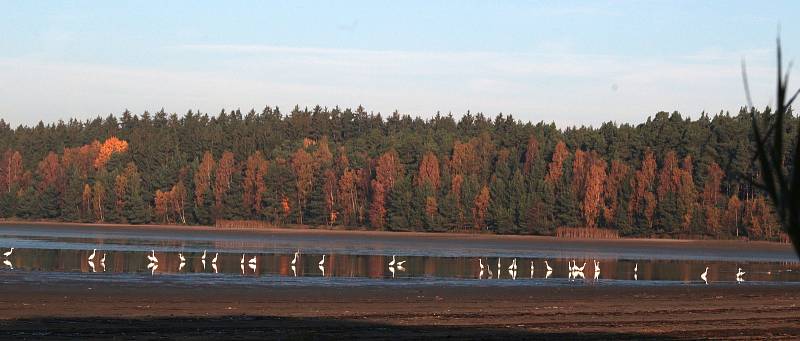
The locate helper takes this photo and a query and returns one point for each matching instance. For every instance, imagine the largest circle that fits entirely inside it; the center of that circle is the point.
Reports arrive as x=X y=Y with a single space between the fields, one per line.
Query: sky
x=569 y=62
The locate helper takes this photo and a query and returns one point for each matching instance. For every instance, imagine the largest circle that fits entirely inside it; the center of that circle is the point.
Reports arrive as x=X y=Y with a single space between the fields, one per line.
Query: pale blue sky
x=569 y=62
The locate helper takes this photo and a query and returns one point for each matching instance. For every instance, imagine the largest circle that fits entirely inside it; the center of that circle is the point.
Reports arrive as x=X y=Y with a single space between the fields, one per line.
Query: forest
x=352 y=169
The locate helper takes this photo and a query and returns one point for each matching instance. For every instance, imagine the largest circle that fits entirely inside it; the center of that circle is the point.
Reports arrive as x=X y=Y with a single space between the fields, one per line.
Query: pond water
x=256 y=258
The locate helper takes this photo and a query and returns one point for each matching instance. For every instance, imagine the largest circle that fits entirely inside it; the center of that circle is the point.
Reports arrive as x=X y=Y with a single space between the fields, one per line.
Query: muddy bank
x=85 y=309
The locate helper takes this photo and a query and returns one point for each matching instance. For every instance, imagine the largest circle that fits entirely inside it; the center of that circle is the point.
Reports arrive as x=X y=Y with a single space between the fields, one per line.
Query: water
x=49 y=252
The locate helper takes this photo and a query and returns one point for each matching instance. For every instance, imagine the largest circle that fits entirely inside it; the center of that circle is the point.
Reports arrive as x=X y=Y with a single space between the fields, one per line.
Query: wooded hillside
x=668 y=176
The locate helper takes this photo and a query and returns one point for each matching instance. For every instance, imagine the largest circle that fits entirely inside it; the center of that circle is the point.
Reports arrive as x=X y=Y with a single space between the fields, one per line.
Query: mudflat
x=91 y=309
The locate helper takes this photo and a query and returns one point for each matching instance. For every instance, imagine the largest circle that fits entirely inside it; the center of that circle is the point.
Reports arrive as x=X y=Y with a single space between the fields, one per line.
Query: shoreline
x=432 y=235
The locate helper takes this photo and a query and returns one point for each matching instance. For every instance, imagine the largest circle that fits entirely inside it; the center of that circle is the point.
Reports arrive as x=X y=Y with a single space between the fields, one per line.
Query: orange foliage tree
x=222 y=179
x=254 y=185
x=109 y=147
x=429 y=171
x=480 y=208
x=303 y=167
x=556 y=167
x=202 y=178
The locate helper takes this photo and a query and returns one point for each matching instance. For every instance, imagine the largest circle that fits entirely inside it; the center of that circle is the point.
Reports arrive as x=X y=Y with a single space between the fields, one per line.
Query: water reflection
x=299 y=264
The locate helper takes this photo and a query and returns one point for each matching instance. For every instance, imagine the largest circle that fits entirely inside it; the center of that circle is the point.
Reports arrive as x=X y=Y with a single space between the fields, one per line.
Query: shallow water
x=49 y=253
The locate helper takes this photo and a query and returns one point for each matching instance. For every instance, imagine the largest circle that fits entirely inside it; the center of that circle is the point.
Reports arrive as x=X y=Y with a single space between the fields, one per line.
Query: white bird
x=180 y=256
x=513 y=265
x=480 y=263
x=740 y=273
x=596 y=266
x=91 y=257
x=252 y=260
x=596 y=275
x=498 y=266
x=103 y=260
x=152 y=258
x=8 y=253
x=703 y=276
x=531 y=268
x=574 y=265
x=392 y=263
x=214 y=261
x=549 y=269
x=322 y=262
x=242 y=261
x=203 y=257
x=400 y=263
x=636 y=267
x=294 y=260
x=581 y=268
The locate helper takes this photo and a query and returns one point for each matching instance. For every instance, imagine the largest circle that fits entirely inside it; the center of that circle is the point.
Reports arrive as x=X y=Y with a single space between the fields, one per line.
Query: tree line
x=669 y=176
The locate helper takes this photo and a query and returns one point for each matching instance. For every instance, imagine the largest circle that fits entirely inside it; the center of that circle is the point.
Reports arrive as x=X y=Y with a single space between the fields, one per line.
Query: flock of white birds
x=573 y=270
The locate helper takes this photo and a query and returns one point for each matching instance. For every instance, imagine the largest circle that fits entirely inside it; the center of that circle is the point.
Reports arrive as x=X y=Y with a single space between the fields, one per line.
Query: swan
x=180 y=256
x=294 y=260
x=203 y=257
x=703 y=276
x=549 y=269
x=214 y=261
x=252 y=260
x=392 y=262
x=91 y=257
x=8 y=253
x=322 y=262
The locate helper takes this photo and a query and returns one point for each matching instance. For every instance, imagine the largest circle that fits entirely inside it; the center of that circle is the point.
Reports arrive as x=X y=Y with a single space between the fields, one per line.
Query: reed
x=586 y=233
x=781 y=184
